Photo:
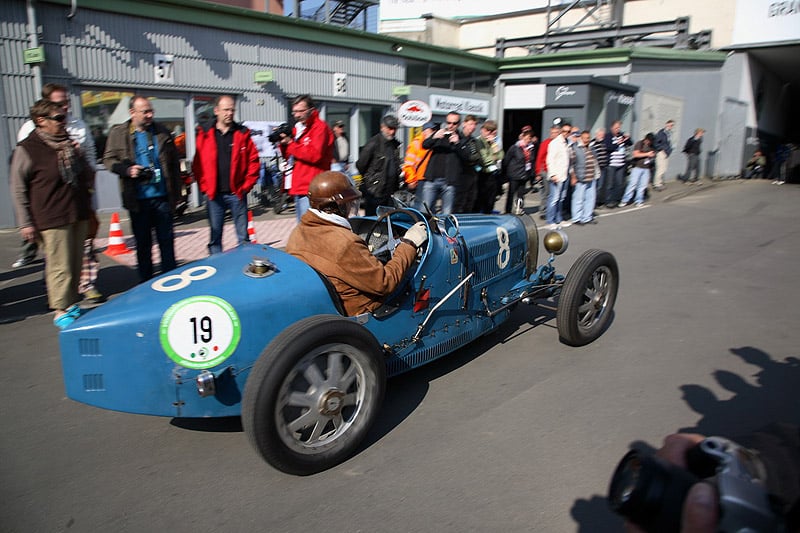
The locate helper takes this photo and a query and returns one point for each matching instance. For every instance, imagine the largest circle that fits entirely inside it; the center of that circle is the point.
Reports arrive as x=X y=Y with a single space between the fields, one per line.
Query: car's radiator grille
x=486 y=266
x=398 y=365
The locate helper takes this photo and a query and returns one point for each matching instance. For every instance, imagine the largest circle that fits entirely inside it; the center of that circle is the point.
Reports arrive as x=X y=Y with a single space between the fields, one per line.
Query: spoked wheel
x=587 y=298
x=313 y=394
x=381 y=238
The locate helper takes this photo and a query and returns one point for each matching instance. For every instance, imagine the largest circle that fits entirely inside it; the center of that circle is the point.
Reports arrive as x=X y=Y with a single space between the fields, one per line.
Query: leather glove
x=417 y=234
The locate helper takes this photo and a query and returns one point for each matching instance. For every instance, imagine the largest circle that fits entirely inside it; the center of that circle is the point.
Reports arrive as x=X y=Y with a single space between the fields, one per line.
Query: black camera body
x=650 y=491
x=283 y=129
x=146 y=174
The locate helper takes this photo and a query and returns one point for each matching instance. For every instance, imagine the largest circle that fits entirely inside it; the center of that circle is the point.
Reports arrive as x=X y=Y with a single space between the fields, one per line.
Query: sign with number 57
x=162 y=66
x=340 y=84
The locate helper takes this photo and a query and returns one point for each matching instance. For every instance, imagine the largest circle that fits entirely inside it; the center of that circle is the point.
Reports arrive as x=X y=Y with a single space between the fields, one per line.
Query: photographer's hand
x=700 y=512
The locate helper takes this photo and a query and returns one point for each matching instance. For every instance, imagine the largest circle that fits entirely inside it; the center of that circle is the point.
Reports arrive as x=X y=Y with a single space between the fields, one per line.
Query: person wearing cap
x=341 y=148
x=519 y=163
x=325 y=241
x=379 y=165
x=416 y=161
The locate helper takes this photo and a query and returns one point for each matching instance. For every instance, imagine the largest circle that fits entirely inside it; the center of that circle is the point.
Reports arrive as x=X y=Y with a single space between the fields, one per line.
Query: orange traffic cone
x=251 y=228
x=116 y=244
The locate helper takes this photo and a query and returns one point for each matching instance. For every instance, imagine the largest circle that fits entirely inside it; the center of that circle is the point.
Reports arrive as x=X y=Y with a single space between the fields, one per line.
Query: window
x=441 y=76
x=417 y=73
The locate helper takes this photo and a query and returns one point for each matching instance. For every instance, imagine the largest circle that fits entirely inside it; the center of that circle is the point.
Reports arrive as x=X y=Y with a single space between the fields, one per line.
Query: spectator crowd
x=458 y=166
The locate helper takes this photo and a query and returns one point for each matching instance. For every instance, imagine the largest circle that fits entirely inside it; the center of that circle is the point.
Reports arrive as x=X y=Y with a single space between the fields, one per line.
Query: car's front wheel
x=587 y=298
x=313 y=394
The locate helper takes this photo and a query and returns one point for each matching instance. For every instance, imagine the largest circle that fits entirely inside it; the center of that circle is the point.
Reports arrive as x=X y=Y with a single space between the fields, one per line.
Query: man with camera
x=142 y=153
x=310 y=145
x=443 y=175
x=226 y=166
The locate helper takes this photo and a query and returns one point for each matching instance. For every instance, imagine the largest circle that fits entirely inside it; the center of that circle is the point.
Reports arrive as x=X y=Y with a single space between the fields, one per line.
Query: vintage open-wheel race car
x=258 y=333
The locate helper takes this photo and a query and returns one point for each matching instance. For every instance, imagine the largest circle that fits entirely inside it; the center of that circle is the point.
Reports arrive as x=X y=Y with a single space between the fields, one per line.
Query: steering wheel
x=383 y=242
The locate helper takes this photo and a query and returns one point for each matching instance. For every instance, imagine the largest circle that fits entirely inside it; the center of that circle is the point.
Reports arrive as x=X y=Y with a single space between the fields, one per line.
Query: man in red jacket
x=226 y=167
x=311 y=146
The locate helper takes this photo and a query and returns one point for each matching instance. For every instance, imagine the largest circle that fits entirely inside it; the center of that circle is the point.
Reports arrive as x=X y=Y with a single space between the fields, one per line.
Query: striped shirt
x=600 y=152
x=619 y=155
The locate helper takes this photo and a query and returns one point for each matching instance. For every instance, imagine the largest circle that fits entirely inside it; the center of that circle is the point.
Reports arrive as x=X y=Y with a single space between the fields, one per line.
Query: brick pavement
x=191 y=241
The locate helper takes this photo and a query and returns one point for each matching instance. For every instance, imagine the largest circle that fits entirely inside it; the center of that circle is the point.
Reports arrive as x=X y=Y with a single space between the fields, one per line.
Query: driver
x=325 y=240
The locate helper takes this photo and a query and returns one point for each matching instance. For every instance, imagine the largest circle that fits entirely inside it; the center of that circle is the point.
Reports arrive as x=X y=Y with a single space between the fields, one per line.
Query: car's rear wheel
x=313 y=394
x=587 y=298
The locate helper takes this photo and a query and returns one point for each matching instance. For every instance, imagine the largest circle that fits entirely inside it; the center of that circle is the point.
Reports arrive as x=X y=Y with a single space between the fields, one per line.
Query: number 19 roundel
x=200 y=332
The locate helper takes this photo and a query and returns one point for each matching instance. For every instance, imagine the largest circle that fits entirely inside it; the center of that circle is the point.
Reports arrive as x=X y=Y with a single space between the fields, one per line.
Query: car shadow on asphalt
x=404 y=393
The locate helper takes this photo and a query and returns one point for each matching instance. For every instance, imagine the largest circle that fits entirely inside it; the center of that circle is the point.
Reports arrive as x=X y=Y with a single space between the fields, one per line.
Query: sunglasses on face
x=448 y=122
x=57 y=118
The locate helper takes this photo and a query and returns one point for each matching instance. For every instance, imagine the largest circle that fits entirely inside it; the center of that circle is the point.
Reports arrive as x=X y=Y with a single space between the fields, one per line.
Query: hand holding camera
x=693 y=484
x=281 y=134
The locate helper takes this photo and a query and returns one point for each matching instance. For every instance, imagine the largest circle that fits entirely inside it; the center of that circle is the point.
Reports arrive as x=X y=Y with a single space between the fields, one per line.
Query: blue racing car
x=258 y=333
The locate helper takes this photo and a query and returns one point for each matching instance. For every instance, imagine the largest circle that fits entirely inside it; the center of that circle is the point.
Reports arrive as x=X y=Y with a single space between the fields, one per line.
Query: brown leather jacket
x=343 y=257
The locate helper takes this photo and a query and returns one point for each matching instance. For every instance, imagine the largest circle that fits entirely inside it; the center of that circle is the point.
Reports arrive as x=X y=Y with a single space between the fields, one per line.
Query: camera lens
x=649 y=492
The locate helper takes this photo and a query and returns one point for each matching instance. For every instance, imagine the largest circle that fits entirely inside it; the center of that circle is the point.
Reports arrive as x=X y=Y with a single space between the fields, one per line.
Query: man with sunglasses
x=51 y=183
x=79 y=132
x=443 y=174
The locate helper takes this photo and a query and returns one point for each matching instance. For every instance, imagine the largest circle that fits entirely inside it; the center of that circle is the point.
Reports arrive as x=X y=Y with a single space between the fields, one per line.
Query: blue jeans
x=300 y=206
x=583 y=197
x=153 y=213
x=438 y=188
x=640 y=177
x=555 y=200
x=216 y=219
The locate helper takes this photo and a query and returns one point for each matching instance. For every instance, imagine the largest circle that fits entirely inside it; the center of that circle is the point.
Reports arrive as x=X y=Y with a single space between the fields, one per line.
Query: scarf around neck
x=70 y=164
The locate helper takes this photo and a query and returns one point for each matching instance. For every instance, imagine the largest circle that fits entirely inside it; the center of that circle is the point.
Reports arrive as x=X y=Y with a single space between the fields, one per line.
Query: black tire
x=302 y=415
x=587 y=298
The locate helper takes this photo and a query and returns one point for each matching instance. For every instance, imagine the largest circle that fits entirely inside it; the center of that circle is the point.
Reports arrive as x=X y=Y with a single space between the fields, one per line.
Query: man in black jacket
x=446 y=165
x=379 y=164
x=692 y=149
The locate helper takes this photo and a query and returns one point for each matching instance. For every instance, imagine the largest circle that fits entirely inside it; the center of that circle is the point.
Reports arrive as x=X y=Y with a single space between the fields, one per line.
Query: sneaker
x=519 y=207
x=638 y=204
x=623 y=204
x=93 y=296
x=551 y=226
x=22 y=261
x=69 y=316
x=565 y=223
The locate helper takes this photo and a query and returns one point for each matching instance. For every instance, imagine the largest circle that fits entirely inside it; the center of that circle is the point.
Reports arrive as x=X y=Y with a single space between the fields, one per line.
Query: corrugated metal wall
x=16 y=88
x=107 y=49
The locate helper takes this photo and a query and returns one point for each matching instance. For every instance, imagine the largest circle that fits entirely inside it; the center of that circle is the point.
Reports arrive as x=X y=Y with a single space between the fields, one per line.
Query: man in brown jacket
x=325 y=240
x=142 y=153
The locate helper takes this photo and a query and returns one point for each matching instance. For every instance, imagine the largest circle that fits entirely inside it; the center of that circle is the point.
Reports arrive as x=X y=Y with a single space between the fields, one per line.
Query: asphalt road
x=517 y=432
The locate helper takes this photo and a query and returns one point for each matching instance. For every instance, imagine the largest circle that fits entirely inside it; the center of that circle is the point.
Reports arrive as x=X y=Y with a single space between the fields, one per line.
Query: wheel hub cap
x=331 y=402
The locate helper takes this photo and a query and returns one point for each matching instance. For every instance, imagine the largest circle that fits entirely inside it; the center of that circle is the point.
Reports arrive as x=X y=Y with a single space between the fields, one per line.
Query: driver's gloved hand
x=417 y=234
